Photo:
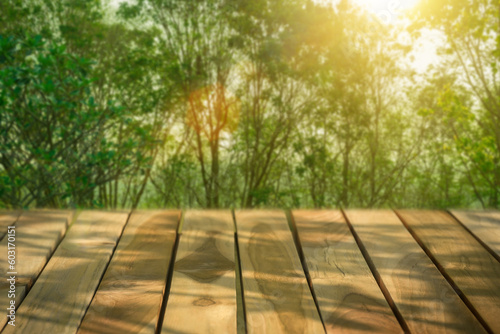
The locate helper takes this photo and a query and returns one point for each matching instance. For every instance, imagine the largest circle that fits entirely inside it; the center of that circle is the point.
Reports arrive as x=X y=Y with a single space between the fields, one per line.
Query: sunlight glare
x=387 y=10
x=389 y=5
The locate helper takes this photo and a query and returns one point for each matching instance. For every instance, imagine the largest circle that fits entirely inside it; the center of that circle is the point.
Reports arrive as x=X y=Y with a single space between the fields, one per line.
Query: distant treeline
x=247 y=103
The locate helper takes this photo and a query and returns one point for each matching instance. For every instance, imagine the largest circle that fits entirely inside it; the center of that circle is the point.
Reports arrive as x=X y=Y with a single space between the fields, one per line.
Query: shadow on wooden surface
x=362 y=271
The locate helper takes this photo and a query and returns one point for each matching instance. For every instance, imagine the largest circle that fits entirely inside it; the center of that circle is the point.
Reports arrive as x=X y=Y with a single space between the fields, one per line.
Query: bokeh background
x=249 y=103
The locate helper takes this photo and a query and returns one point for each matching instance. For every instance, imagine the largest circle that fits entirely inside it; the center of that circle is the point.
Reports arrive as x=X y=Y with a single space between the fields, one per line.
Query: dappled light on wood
x=255 y=271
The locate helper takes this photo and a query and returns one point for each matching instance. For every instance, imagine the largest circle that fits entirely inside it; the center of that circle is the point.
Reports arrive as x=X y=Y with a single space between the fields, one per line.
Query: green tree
x=471 y=29
x=56 y=142
x=197 y=36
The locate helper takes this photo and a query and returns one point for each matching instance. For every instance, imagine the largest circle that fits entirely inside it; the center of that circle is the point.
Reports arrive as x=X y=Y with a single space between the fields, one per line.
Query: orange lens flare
x=212 y=110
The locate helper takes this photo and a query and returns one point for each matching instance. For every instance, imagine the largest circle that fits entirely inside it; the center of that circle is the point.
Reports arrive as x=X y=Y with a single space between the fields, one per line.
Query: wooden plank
x=348 y=296
x=422 y=295
x=7 y=218
x=37 y=234
x=276 y=294
x=469 y=265
x=63 y=291
x=485 y=225
x=202 y=296
x=130 y=295
x=20 y=293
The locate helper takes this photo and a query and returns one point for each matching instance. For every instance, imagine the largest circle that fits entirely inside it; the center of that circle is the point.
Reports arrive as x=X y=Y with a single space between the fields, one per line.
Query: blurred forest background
x=247 y=103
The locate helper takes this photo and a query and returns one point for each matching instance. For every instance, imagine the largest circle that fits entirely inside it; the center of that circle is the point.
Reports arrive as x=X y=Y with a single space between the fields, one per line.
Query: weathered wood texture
x=20 y=293
x=350 y=301
x=469 y=265
x=63 y=291
x=485 y=225
x=37 y=234
x=356 y=268
x=130 y=295
x=276 y=294
x=422 y=295
x=7 y=218
x=202 y=296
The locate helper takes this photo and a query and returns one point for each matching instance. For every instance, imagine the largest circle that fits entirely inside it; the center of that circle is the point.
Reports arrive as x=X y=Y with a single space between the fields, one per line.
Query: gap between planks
x=465 y=263
x=276 y=292
x=86 y=248
x=47 y=241
x=106 y=267
x=203 y=279
x=168 y=282
x=241 y=321
x=298 y=248
x=377 y=276
x=422 y=295
x=136 y=275
x=484 y=226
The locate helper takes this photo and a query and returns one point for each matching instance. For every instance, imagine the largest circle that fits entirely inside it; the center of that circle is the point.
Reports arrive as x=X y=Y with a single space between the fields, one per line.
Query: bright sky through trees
x=391 y=11
x=390 y=6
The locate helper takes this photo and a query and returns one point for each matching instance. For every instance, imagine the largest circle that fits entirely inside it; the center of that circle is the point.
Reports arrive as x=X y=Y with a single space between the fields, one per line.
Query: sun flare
x=388 y=5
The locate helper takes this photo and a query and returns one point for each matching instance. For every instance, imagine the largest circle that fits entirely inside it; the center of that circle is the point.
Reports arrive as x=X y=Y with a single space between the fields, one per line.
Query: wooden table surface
x=250 y=271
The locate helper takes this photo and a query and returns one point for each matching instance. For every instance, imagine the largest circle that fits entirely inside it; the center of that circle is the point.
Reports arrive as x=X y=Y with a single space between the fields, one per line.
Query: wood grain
x=21 y=291
x=471 y=267
x=485 y=225
x=37 y=235
x=350 y=301
x=202 y=296
x=276 y=294
x=130 y=295
x=422 y=295
x=63 y=291
x=7 y=218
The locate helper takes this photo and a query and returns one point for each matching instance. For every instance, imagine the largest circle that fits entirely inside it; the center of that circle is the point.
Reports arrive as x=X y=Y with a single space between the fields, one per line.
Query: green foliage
x=57 y=143
x=472 y=107
x=246 y=103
